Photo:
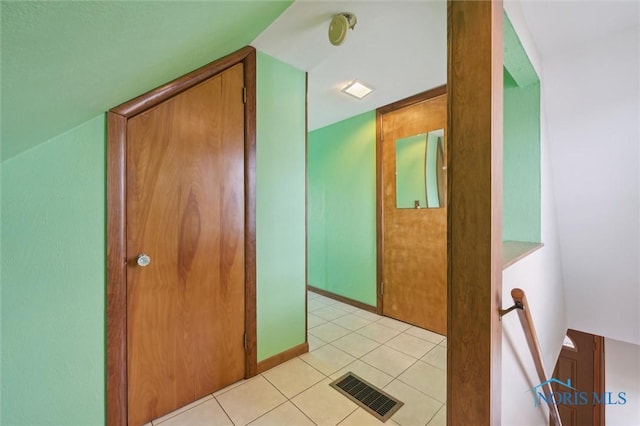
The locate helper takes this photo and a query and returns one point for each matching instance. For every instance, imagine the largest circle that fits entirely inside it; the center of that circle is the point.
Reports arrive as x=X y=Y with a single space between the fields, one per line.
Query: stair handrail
x=524 y=313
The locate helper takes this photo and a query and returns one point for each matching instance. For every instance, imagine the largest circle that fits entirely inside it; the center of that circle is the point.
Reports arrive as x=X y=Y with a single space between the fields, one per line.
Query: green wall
x=53 y=281
x=521 y=167
x=64 y=62
x=53 y=259
x=342 y=208
x=280 y=168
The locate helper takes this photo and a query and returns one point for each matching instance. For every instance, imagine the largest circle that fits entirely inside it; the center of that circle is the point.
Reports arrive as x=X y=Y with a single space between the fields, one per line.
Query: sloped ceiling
x=397 y=47
x=64 y=62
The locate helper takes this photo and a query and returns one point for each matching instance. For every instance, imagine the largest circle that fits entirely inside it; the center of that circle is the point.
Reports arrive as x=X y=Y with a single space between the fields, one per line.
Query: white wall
x=622 y=374
x=592 y=99
x=540 y=276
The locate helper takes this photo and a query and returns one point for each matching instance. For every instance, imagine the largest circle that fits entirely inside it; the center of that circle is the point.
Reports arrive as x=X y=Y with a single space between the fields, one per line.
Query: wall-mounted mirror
x=420 y=171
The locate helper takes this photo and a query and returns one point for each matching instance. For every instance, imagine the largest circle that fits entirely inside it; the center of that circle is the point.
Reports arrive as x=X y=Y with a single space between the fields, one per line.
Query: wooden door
x=580 y=361
x=185 y=210
x=412 y=242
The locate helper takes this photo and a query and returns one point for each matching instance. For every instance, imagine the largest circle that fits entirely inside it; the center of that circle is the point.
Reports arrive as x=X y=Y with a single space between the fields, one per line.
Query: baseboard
x=343 y=299
x=277 y=359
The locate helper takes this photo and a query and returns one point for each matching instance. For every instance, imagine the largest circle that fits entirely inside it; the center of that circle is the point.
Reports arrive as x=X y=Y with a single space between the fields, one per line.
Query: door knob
x=143 y=259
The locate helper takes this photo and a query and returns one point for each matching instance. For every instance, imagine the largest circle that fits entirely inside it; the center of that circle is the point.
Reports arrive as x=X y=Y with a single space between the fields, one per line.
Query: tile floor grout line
x=371 y=366
x=344 y=314
x=433 y=417
x=267 y=412
x=433 y=365
x=424 y=340
x=359 y=357
x=180 y=413
x=312 y=365
x=302 y=411
x=356 y=328
x=229 y=388
x=222 y=406
x=333 y=319
x=418 y=390
x=411 y=355
x=402 y=372
x=382 y=343
x=345 y=418
x=434 y=346
x=312 y=385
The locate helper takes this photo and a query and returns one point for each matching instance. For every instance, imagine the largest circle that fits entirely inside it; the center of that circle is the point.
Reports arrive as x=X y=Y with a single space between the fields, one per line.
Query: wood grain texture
x=162 y=93
x=529 y=328
x=251 y=363
x=185 y=209
x=116 y=274
x=306 y=204
x=414 y=245
x=379 y=215
x=412 y=100
x=343 y=299
x=117 y=404
x=599 y=418
x=282 y=357
x=474 y=194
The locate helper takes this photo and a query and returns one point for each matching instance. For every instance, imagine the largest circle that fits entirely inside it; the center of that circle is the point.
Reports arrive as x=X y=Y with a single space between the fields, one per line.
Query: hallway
x=405 y=361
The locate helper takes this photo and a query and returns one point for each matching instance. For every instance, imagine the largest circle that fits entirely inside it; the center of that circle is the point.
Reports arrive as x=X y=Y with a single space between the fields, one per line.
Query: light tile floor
x=406 y=361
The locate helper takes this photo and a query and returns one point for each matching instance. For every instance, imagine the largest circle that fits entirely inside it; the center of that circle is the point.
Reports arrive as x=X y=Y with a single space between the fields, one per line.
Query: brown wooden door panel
x=581 y=365
x=185 y=209
x=414 y=260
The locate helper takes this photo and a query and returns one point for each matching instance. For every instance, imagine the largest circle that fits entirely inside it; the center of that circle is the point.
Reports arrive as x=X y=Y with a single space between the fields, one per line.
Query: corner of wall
x=540 y=276
x=280 y=206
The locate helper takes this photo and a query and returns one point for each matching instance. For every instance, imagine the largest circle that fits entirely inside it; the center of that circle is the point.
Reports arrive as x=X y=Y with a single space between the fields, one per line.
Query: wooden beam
x=475 y=62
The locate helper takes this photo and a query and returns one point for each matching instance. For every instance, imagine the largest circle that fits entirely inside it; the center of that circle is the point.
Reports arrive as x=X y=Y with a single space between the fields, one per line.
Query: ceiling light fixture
x=357 y=89
x=339 y=26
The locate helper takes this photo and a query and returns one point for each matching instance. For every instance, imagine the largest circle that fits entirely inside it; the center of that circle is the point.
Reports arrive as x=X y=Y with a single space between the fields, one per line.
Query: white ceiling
x=560 y=25
x=398 y=47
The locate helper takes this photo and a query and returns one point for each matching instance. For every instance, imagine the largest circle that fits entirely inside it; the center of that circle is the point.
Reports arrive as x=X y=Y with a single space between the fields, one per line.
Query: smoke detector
x=340 y=24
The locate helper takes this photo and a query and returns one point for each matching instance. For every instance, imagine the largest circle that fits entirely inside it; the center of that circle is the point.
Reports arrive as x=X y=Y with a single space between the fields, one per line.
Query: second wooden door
x=413 y=240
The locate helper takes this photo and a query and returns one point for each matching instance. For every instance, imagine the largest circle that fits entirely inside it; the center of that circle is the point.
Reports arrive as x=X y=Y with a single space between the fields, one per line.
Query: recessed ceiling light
x=357 y=89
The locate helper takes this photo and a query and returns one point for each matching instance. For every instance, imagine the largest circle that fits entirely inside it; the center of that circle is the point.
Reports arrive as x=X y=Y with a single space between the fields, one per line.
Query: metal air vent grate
x=377 y=402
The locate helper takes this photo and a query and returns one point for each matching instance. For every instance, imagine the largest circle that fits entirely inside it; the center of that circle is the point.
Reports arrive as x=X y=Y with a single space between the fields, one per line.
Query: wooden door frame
x=116 y=336
x=474 y=221
x=380 y=112
x=599 y=378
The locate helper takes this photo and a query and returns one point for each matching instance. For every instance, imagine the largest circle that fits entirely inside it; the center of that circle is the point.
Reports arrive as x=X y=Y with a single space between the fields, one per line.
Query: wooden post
x=475 y=60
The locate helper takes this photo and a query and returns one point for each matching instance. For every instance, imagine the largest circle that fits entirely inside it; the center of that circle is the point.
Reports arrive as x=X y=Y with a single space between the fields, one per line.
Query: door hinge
x=381 y=287
x=244 y=95
x=246 y=344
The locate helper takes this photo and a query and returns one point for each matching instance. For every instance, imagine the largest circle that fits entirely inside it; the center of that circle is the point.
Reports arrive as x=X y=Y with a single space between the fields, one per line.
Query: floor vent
x=377 y=402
